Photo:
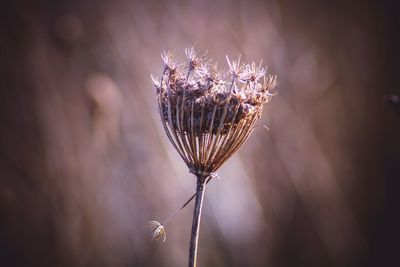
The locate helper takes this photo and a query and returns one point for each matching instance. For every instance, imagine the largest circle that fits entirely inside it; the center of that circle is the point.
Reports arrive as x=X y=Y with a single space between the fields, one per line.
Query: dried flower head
x=206 y=118
x=158 y=230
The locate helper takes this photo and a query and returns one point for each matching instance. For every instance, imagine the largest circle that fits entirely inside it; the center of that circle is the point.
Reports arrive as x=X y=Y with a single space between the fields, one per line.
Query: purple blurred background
x=84 y=161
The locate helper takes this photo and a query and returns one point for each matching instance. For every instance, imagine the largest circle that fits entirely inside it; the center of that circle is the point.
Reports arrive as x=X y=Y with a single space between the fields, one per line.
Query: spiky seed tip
x=158 y=230
x=169 y=60
x=215 y=175
x=193 y=57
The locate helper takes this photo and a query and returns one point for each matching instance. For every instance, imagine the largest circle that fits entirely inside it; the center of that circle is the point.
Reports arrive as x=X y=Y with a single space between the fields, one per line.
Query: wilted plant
x=207 y=119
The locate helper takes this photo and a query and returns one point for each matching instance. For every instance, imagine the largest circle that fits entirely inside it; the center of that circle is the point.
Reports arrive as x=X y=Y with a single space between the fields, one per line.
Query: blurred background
x=84 y=161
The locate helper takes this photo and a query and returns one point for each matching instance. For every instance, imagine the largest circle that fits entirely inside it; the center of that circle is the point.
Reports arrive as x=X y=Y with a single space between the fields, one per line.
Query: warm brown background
x=84 y=162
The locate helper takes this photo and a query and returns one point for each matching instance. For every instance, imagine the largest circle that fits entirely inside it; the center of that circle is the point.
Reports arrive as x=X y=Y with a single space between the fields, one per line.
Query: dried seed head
x=169 y=60
x=235 y=68
x=157 y=230
x=194 y=59
x=205 y=117
x=252 y=73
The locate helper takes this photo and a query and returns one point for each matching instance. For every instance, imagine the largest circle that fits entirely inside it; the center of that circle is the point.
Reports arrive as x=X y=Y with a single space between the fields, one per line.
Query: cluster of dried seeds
x=207 y=117
x=194 y=98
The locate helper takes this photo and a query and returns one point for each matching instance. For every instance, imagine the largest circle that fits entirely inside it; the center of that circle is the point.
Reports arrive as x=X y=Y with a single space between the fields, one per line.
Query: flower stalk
x=208 y=118
x=194 y=237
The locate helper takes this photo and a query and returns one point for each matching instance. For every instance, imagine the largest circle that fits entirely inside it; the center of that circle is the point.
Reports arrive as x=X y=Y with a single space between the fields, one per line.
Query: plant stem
x=201 y=184
x=184 y=205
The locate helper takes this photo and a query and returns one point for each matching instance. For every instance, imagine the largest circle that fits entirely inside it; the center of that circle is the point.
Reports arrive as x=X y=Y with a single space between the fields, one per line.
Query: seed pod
x=206 y=118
